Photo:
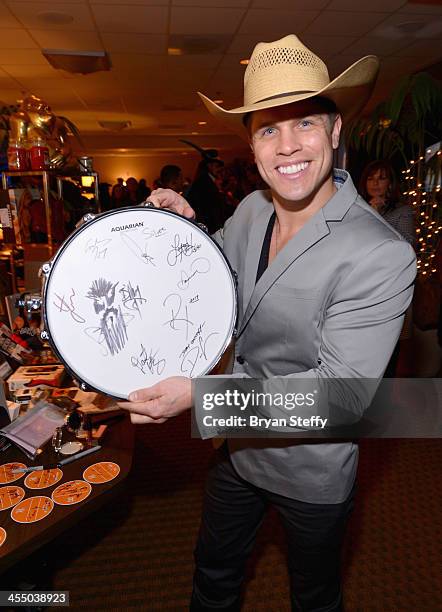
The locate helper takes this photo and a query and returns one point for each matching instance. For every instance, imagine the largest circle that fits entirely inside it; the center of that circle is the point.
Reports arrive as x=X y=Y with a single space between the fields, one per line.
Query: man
x=323 y=283
x=171 y=177
x=205 y=196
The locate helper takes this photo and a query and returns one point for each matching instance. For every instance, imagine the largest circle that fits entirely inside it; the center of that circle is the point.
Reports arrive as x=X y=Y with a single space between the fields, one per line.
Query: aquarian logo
x=120 y=228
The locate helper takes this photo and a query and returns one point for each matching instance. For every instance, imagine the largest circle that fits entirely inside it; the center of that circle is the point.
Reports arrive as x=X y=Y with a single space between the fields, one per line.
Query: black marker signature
x=195 y=351
x=181 y=249
x=148 y=362
x=97 y=247
x=201 y=265
x=131 y=297
x=64 y=306
x=174 y=302
x=151 y=233
x=139 y=252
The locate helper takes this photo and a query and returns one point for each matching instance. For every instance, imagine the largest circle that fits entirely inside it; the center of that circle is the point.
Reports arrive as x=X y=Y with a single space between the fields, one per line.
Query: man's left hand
x=164 y=400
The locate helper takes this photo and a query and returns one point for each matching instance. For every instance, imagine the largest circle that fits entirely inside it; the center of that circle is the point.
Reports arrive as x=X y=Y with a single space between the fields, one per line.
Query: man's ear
x=336 y=131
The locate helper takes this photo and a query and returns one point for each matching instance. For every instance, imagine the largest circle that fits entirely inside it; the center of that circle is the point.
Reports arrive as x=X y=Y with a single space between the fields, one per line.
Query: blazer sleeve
x=361 y=327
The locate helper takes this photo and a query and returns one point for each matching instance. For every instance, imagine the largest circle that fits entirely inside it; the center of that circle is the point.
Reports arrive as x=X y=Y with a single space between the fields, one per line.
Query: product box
x=11 y=348
x=36 y=376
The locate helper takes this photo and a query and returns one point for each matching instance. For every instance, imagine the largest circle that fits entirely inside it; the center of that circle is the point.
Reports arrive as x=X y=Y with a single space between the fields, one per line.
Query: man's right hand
x=171 y=200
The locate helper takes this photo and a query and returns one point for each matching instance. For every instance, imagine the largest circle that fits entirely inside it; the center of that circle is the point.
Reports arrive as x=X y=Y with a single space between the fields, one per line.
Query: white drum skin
x=136 y=295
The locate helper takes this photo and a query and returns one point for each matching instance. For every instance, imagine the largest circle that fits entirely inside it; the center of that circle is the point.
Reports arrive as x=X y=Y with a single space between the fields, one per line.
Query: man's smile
x=293 y=169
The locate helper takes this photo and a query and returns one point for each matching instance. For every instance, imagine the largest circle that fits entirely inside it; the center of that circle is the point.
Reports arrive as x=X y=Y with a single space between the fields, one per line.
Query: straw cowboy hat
x=286 y=71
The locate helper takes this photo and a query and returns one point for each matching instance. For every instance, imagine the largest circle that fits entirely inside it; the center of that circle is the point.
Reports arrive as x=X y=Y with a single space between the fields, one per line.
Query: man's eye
x=305 y=123
x=268 y=131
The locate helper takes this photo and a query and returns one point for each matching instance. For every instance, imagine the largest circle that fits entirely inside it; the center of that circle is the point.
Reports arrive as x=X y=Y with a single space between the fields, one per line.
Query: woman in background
x=379 y=187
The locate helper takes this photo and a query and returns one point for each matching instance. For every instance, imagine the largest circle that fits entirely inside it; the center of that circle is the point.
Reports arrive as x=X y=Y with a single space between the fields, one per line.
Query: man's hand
x=156 y=404
x=167 y=198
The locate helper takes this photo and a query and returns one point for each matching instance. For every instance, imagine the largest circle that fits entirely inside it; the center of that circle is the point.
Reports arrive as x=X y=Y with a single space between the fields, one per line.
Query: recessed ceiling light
x=218 y=101
x=410 y=27
x=55 y=18
x=174 y=51
x=244 y=62
x=82 y=62
x=194 y=133
x=202 y=122
x=116 y=126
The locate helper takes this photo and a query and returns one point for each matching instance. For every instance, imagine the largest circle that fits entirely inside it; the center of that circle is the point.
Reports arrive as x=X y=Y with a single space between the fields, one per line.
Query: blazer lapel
x=254 y=246
x=313 y=231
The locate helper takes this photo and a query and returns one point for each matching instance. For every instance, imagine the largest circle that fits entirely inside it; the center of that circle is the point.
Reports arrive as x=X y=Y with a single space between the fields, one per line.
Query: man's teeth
x=293 y=169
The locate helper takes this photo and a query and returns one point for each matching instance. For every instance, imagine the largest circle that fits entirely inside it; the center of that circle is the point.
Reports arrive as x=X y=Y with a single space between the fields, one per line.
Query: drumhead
x=136 y=295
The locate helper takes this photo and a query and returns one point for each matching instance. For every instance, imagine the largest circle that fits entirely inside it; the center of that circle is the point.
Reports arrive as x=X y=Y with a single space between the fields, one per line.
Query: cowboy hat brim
x=349 y=91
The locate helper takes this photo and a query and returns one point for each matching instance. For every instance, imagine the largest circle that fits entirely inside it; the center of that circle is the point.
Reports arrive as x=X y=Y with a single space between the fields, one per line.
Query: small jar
x=39 y=155
x=17 y=156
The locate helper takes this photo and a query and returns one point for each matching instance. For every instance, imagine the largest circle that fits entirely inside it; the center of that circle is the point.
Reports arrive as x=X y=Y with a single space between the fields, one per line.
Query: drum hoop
x=85 y=386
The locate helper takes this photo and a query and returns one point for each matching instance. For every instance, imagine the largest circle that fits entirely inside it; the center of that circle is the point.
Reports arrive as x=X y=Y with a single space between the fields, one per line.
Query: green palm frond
x=398 y=126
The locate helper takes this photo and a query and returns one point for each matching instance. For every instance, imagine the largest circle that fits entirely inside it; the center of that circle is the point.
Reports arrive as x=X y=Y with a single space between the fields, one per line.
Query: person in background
x=103 y=194
x=205 y=197
x=119 y=194
x=143 y=191
x=132 y=189
x=379 y=187
x=171 y=177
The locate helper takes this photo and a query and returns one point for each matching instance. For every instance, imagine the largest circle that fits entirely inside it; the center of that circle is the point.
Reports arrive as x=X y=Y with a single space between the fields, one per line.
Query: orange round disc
x=72 y=492
x=98 y=473
x=42 y=479
x=10 y=496
x=6 y=474
x=32 y=509
x=2 y=536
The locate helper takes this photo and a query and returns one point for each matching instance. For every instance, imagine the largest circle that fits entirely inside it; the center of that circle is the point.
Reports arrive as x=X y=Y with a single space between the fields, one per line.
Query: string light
x=424 y=197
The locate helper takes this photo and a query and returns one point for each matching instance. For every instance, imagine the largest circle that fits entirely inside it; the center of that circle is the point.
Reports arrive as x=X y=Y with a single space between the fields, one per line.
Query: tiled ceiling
x=155 y=91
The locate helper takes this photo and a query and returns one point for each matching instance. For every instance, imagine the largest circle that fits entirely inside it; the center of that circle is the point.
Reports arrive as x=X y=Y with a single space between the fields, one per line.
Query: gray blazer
x=330 y=304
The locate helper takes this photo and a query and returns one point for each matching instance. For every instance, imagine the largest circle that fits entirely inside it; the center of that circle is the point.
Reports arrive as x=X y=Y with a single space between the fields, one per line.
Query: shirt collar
x=340 y=202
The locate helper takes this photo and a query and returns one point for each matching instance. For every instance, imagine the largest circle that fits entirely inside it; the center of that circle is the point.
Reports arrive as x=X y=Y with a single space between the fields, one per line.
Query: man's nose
x=288 y=142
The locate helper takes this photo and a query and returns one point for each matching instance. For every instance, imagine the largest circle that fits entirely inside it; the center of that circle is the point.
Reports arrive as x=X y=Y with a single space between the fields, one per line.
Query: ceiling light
x=202 y=122
x=174 y=51
x=410 y=27
x=194 y=133
x=115 y=126
x=83 y=62
x=195 y=44
x=244 y=62
x=219 y=101
x=55 y=18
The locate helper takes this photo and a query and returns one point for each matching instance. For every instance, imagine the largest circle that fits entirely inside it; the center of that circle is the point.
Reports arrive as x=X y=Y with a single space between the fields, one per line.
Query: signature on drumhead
x=97 y=248
x=153 y=233
x=148 y=361
x=139 y=252
x=195 y=350
x=132 y=298
x=181 y=249
x=178 y=314
x=201 y=265
x=64 y=306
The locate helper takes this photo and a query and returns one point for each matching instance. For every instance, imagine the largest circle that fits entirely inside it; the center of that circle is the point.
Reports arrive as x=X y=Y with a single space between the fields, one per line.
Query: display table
x=23 y=539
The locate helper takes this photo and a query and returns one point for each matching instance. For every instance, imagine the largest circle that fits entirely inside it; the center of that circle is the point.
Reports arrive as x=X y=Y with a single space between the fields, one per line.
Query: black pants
x=233 y=511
